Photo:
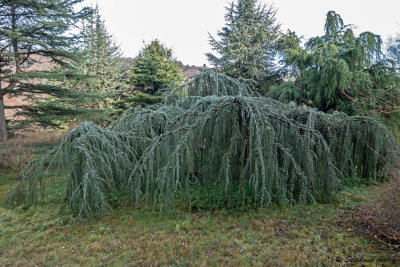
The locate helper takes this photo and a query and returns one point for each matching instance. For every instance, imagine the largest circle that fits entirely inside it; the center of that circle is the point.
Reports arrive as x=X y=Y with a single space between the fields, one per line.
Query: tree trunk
x=3 y=129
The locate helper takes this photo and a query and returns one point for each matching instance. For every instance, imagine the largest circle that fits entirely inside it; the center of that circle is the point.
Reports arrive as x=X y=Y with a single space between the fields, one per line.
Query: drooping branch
x=212 y=137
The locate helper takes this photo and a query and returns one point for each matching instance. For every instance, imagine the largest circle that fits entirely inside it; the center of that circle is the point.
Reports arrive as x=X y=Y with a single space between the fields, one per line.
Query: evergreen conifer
x=155 y=68
x=40 y=31
x=247 y=45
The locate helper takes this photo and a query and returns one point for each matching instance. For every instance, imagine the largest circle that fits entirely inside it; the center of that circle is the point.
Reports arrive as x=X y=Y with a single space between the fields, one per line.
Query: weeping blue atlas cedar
x=212 y=139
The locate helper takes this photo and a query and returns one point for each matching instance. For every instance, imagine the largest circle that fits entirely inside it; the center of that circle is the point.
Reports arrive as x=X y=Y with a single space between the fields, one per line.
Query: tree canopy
x=102 y=58
x=393 y=50
x=155 y=68
x=40 y=31
x=101 y=66
x=339 y=70
x=247 y=44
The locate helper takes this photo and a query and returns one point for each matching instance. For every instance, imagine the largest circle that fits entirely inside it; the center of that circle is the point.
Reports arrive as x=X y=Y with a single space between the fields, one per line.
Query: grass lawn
x=315 y=235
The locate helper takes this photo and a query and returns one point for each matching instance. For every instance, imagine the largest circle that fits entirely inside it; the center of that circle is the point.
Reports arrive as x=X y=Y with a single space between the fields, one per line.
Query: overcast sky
x=184 y=24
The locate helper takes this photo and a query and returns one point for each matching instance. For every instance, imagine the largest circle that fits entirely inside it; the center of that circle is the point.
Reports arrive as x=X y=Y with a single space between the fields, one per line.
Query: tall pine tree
x=102 y=67
x=155 y=68
x=102 y=61
x=33 y=31
x=247 y=44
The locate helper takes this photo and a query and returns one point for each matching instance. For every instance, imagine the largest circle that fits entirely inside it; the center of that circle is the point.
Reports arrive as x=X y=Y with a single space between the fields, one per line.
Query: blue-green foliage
x=213 y=142
x=246 y=46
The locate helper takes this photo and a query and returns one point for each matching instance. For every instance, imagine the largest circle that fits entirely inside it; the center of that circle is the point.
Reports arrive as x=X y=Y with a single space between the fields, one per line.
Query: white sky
x=184 y=25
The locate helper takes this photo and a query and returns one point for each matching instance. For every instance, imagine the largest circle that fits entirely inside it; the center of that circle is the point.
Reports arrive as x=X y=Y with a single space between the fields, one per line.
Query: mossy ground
x=279 y=236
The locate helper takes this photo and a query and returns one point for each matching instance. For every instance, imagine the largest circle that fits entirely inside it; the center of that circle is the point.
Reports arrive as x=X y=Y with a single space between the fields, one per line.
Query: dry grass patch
x=380 y=216
x=18 y=152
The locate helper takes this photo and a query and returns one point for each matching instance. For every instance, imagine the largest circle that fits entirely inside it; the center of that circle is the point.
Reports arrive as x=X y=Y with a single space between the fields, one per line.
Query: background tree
x=340 y=71
x=40 y=30
x=155 y=68
x=247 y=44
x=102 y=61
x=102 y=67
x=393 y=50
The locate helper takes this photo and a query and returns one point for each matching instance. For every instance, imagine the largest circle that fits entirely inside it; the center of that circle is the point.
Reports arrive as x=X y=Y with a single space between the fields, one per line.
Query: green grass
x=312 y=235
